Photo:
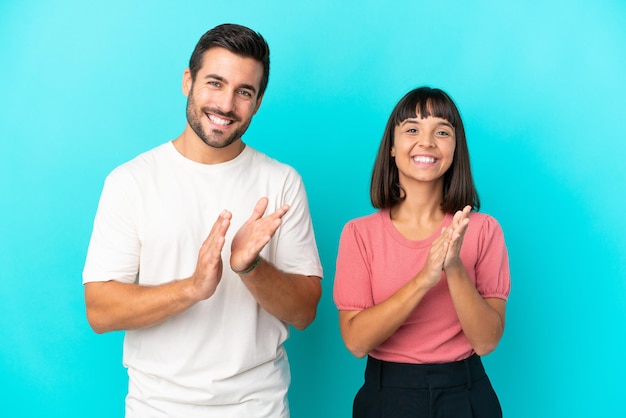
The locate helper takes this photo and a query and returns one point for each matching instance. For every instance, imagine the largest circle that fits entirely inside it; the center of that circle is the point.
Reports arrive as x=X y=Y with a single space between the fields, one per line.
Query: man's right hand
x=209 y=267
x=113 y=305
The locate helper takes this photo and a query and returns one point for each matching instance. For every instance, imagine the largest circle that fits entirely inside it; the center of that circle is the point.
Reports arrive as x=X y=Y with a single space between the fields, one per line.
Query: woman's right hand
x=431 y=273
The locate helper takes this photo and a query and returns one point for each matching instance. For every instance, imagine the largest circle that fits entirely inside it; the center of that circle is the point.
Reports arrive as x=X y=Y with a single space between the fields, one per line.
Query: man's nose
x=226 y=101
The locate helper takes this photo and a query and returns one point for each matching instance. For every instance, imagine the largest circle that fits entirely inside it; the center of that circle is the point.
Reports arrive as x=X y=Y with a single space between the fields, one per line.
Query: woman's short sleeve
x=352 y=287
x=492 y=264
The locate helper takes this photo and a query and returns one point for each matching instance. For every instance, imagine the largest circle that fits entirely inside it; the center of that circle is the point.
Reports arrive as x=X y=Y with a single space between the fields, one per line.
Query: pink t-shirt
x=375 y=260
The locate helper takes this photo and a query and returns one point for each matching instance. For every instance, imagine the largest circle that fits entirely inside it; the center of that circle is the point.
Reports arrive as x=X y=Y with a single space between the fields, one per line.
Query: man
x=206 y=315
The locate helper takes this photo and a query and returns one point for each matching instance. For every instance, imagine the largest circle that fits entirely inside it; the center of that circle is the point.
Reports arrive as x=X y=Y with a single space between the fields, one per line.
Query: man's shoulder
x=144 y=162
x=271 y=164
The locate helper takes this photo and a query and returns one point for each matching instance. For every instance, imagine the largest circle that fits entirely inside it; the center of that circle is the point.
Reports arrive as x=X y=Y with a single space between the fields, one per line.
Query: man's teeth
x=219 y=121
x=424 y=159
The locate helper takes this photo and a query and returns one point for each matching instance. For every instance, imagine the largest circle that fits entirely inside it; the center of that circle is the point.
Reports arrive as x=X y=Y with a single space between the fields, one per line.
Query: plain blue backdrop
x=85 y=86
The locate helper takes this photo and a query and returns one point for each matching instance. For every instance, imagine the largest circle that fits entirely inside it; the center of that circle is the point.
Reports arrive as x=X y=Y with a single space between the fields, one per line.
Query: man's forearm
x=292 y=298
x=113 y=306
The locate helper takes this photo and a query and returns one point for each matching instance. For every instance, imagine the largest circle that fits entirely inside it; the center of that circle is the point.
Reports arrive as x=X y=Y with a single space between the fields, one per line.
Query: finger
x=220 y=227
x=440 y=243
x=458 y=217
x=461 y=228
x=444 y=233
x=212 y=247
x=269 y=224
x=259 y=208
x=456 y=240
x=438 y=255
x=219 y=245
x=266 y=231
x=461 y=215
x=222 y=222
x=257 y=245
x=281 y=211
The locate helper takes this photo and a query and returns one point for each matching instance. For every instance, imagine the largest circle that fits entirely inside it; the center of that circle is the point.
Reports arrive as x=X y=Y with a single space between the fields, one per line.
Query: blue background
x=85 y=86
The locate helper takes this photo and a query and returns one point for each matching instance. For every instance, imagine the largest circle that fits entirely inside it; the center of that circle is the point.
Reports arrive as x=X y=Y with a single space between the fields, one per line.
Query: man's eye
x=214 y=83
x=245 y=93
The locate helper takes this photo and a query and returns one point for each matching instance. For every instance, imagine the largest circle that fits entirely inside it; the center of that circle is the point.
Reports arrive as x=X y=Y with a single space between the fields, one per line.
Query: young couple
x=203 y=251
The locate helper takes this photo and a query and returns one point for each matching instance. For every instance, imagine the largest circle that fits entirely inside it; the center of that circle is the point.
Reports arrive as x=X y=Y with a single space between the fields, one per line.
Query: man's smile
x=218 y=120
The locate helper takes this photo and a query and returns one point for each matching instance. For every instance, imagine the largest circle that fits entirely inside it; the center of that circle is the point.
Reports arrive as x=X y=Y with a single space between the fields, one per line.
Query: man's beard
x=216 y=138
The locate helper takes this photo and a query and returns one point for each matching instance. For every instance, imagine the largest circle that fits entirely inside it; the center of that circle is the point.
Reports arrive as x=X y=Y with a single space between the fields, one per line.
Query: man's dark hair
x=237 y=39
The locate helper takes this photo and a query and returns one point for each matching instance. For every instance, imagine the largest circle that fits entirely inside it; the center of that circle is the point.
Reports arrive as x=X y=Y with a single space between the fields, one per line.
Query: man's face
x=223 y=97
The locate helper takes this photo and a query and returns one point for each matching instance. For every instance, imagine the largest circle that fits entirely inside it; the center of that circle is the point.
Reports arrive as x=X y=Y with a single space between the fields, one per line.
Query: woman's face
x=423 y=149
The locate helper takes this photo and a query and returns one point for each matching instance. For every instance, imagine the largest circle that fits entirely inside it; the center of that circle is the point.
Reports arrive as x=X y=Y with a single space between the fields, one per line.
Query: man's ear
x=187 y=82
x=258 y=103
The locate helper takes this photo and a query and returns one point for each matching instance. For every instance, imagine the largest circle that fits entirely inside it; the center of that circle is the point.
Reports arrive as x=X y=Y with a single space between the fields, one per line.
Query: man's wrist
x=252 y=266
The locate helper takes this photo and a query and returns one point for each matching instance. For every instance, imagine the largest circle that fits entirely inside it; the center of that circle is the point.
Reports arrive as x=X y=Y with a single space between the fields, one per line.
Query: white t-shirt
x=223 y=356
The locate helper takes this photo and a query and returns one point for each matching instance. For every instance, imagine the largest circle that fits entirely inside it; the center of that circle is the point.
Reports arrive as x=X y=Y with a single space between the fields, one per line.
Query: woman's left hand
x=456 y=232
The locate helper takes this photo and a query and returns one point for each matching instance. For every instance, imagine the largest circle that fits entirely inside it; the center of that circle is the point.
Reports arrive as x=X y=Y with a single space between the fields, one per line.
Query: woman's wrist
x=454 y=268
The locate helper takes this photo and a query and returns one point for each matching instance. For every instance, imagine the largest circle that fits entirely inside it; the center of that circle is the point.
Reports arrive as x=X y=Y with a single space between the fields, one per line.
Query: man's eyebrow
x=223 y=80
x=215 y=76
x=248 y=87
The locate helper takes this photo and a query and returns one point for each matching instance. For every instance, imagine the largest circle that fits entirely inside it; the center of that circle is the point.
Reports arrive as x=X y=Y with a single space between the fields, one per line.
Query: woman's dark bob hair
x=458 y=185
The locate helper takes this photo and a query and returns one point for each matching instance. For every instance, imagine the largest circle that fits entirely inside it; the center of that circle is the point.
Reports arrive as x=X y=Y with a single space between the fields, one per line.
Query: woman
x=421 y=285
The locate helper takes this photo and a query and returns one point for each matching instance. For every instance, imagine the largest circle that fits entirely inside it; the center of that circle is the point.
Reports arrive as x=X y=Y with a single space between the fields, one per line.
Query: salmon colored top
x=375 y=260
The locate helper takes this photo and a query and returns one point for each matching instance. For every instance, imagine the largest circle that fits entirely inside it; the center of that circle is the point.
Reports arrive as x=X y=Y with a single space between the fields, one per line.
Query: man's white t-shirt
x=223 y=356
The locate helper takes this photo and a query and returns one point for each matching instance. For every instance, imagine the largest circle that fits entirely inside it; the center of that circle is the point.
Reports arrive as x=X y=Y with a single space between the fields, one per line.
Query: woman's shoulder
x=481 y=217
x=366 y=221
x=484 y=224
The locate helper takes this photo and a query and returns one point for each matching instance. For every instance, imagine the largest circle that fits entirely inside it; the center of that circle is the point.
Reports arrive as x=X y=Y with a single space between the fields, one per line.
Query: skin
x=222 y=100
x=423 y=150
